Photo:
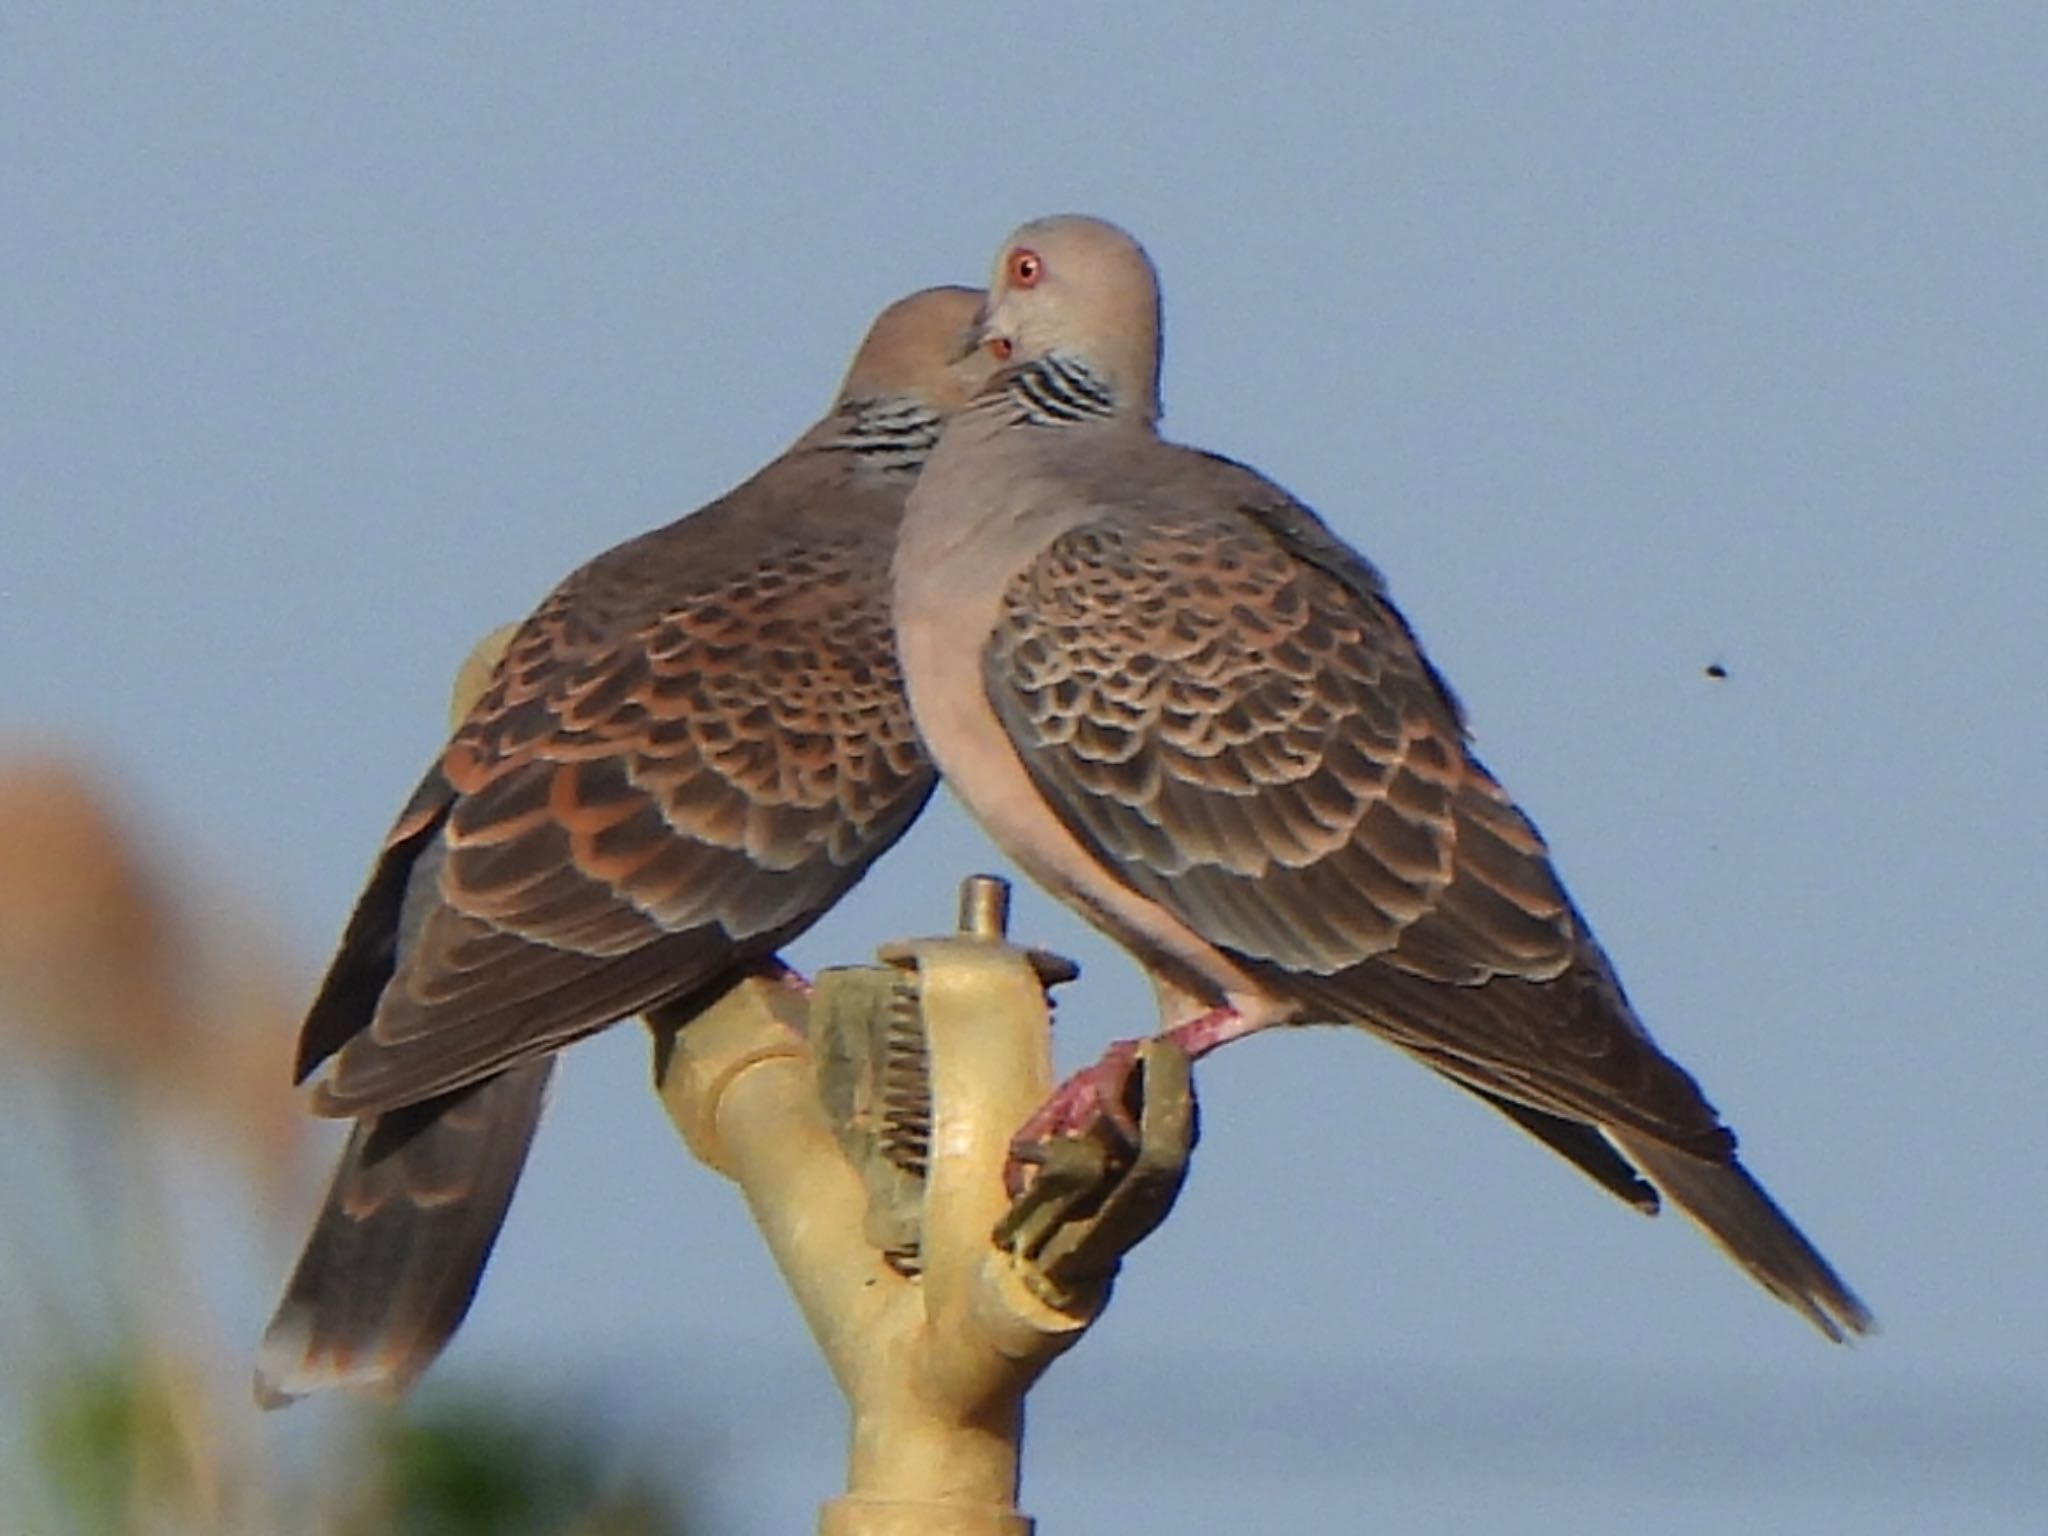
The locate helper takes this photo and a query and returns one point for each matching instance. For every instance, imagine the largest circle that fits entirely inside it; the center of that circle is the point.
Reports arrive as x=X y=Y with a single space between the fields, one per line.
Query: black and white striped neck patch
x=1054 y=391
x=889 y=434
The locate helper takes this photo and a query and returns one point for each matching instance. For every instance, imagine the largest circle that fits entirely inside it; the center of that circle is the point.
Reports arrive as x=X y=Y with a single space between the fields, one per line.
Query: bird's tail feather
x=1733 y=1209
x=401 y=1240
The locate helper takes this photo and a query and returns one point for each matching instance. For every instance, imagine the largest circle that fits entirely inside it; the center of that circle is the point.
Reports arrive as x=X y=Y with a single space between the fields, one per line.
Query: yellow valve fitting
x=934 y=1366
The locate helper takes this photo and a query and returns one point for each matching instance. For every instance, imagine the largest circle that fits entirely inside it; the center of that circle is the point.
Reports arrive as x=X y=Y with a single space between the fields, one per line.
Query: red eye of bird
x=1025 y=269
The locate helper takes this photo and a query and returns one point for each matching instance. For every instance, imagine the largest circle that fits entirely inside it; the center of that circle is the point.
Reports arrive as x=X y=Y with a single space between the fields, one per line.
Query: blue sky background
x=1626 y=339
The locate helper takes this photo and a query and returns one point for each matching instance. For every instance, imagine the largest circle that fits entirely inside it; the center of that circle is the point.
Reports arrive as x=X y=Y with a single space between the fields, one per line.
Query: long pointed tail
x=1733 y=1209
x=401 y=1240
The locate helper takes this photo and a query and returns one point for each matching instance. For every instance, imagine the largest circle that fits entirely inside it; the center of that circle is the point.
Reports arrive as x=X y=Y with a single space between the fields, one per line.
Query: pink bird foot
x=1102 y=1102
x=1094 y=1102
x=781 y=972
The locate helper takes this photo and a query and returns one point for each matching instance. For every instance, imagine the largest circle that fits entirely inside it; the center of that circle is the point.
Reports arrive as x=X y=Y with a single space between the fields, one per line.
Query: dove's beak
x=989 y=331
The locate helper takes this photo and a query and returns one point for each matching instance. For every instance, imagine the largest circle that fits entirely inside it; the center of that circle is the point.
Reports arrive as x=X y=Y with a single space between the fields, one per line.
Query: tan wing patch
x=652 y=788
x=1261 y=749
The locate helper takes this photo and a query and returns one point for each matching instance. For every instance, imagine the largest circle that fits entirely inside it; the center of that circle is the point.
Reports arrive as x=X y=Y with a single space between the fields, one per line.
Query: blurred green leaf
x=474 y=1468
x=106 y=1438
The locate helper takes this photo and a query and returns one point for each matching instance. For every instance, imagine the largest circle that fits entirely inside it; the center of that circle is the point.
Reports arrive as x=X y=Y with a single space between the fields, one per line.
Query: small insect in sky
x=1716 y=671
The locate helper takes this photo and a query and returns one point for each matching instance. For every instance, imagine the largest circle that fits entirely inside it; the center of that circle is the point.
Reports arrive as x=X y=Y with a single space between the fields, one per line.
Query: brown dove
x=690 y=751
x=1190 y=711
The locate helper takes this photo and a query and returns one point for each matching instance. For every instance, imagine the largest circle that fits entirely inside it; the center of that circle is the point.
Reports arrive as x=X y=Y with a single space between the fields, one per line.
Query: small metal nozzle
x=985 y=907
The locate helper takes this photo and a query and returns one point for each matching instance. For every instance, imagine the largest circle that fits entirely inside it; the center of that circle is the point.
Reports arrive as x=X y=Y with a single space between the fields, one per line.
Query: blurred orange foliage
x=112 y=959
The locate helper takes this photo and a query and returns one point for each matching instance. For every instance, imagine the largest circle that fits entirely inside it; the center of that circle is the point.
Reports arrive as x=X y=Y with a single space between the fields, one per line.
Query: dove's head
x=1081 y=292
x=922 y=348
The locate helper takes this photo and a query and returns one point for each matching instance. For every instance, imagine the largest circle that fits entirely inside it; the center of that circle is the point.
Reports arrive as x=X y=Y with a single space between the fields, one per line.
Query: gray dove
x=1192 y=713
x=692 y=749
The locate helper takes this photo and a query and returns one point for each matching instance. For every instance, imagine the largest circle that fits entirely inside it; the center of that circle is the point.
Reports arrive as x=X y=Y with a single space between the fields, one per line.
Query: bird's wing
x=1224 y=705
x=650 y=794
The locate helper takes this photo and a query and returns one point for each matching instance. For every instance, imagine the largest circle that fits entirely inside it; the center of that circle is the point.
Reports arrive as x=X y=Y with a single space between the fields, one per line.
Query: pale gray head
x=921 y=348
x=1079 y=291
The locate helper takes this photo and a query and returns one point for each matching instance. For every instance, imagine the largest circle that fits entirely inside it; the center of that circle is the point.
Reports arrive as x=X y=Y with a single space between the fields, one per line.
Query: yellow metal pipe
x=934 y=1368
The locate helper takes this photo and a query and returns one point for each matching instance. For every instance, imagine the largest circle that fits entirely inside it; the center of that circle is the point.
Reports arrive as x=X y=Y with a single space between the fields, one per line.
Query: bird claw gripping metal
x=1093 y=1196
